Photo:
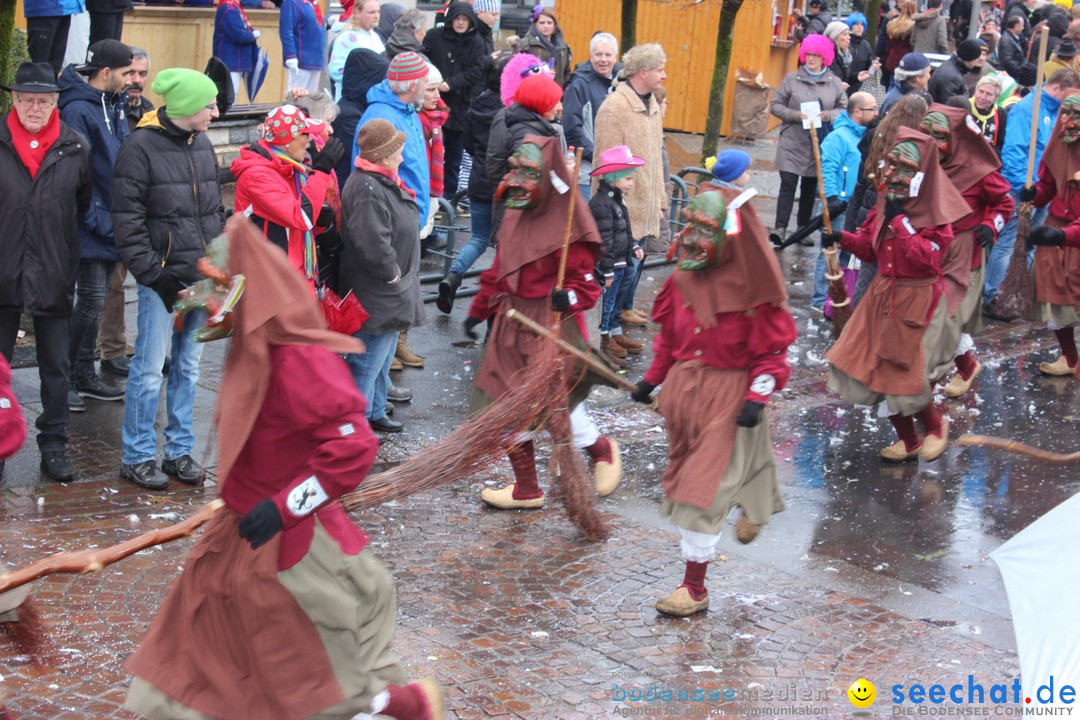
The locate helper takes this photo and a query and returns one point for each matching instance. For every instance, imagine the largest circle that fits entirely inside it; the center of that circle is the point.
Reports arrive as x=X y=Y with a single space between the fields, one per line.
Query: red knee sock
x=694 y=579
x=930 y=417
x=1066 y=338
x=600 y=451
x=905 y=428
x=523 y=461
x=405 y=703
x=966 y=364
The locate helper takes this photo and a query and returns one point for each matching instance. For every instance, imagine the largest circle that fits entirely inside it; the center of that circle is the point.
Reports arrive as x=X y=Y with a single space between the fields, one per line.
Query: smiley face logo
x=862 y=693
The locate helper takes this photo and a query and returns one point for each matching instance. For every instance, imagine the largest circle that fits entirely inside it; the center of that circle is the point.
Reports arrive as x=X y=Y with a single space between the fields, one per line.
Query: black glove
x=643 y=392
x=167 y=287
x=984 y=236
x=326 y=217
x=1027 y=193
x=325 y=159
x=1046 y=235
x=835 y=206
x=560 y=300
x=830 y=239
x=261 y=524
x=893 y=208
x=802 y=21
x=470 y=327
x=750 y=415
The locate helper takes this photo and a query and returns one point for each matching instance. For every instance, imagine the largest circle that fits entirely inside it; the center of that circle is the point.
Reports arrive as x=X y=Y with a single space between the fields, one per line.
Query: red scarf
x=432 y=122
x=24 y=142
x=374 y=169
x=238 y=6
x=317 y=8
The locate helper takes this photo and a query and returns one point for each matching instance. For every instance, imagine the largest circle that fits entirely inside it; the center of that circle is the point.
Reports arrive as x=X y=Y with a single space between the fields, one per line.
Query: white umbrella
x=1041 y=569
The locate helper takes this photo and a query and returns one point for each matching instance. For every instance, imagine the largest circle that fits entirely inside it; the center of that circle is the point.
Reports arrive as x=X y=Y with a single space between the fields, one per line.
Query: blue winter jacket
x=414 y=170
x=302 y=35
x=234 y=43
x=99 y=117
x=840 y=157
x=52 y=8
x=1014 y=152
x=585 y=92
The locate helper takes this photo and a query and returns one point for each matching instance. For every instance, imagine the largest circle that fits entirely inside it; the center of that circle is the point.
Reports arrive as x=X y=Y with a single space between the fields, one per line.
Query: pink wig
x=517 y=69
x=818 y=45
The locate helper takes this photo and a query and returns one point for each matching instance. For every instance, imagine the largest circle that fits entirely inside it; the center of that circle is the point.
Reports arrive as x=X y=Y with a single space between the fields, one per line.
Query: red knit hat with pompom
x=539 y=93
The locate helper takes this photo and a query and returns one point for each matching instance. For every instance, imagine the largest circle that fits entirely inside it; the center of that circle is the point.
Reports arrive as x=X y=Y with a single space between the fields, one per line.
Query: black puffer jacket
x=460 y=59
x=482 y=114
x=364 y=70
x=814 y=24
x=39 y=224
x=166 y=201
x=609 y=212
x=948 y=80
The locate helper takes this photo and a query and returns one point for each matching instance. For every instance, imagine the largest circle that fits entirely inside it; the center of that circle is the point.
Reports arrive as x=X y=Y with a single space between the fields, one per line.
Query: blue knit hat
x=730 y=165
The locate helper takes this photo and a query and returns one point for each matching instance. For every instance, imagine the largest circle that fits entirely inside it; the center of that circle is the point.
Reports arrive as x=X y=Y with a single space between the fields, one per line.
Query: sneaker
x=117 y=366
x=144 y=475
x=396 y=393
x=462 y=210
x=75 y=403
x=92 y=386
x=56 y=465
x=184 y=469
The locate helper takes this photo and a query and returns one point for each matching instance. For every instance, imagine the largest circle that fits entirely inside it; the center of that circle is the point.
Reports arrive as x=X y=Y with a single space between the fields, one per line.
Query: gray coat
x=793 y=153
x=380 y=257
x=930 y=34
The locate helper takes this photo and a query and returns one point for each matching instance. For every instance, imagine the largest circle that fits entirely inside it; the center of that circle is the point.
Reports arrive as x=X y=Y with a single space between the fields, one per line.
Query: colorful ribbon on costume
x=300 y=173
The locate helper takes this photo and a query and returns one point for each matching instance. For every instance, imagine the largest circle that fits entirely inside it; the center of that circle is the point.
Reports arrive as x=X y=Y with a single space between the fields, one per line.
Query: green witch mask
x=700 y=242
x=901 y=166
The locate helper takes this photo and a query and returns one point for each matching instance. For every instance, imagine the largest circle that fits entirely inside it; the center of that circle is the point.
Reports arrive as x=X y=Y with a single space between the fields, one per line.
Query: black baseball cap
x=103 y=54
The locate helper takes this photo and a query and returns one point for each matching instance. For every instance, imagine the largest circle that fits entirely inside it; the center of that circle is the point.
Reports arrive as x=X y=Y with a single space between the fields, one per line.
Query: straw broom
x=841 y=303
x=1017 y=292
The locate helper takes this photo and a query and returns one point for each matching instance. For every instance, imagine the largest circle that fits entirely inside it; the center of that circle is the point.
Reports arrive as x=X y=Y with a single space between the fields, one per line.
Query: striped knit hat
x=407 y=66
x=486 y=6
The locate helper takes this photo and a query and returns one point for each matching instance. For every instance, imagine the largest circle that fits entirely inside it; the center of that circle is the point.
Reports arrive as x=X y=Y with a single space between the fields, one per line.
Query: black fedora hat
x=33 y=78
x=1066 y=49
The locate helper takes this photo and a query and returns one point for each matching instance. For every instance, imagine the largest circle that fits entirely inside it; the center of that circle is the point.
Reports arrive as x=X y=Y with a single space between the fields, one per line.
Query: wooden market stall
x=687 y=31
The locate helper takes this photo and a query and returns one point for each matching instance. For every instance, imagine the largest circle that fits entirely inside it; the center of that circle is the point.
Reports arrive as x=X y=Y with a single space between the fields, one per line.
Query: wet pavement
x=874 y=570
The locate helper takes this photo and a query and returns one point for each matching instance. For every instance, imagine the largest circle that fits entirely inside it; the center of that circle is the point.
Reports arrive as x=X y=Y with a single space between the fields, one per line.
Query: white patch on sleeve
x=573 y=297
x=589 y=276
x=249 y=210
x=907 y=225
x=5 y=404
x=972 y=125
x=560 y=186
x=347 y=429
x=305 y=497
x=916 y=184
x=999 y=222
x=763 y=385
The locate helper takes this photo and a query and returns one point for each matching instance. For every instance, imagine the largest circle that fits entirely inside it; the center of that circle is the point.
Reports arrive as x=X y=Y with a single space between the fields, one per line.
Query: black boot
x=447 y=292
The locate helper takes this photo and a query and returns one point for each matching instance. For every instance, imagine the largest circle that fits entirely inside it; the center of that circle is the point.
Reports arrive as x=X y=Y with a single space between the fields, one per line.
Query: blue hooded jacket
x=414 y=171
x=840 y=157
x=50 y=8
x=1014 y=151
x=99 y=117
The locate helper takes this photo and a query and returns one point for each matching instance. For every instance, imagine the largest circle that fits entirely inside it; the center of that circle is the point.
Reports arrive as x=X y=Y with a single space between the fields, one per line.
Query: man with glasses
x=45 y=180
x=840 y=159
x=166 y=208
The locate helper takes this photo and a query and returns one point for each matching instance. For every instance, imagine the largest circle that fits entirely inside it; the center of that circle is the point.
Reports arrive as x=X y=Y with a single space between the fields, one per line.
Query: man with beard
x=1057 y=257
x=721 y=354
x=894 y=347
x=973 y=167
x=537 y=192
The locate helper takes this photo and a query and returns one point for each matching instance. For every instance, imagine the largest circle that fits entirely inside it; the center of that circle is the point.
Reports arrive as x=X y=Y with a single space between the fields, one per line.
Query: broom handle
x=832 y=262
x=91 y=560
x=569 y=229
x=1033 y=140
x=595 y=366
x=1018 y=448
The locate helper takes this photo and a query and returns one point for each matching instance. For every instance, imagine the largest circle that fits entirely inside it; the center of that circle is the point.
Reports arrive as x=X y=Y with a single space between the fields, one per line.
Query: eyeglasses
x=872 y=108
x=211 y=106
x=43 y=103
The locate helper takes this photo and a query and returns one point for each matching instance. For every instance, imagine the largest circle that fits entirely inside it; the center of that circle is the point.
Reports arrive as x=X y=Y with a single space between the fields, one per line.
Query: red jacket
x=908 y=253
x=310 y=445
x=266 y=190
x=991 y=205
x=1065 y=211
x=756 y=340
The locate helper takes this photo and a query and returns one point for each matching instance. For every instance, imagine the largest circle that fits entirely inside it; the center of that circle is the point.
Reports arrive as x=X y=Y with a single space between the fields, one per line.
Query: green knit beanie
x=186 y=91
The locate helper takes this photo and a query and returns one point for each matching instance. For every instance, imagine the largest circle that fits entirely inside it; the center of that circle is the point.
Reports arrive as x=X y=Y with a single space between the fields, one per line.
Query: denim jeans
x=156 y=333
x=586 y=190
x=90 y=289
x=51 y=334
x=453 y=149
x=998 y=262
x=821 y=285
x=609 y=315
x=478 y=240
x=371 y=370
x=628 y=288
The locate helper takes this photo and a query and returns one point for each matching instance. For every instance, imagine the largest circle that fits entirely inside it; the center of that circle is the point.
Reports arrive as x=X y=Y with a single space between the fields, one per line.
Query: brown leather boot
x=607 y=350
x=627 y=344
x=407 y=357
